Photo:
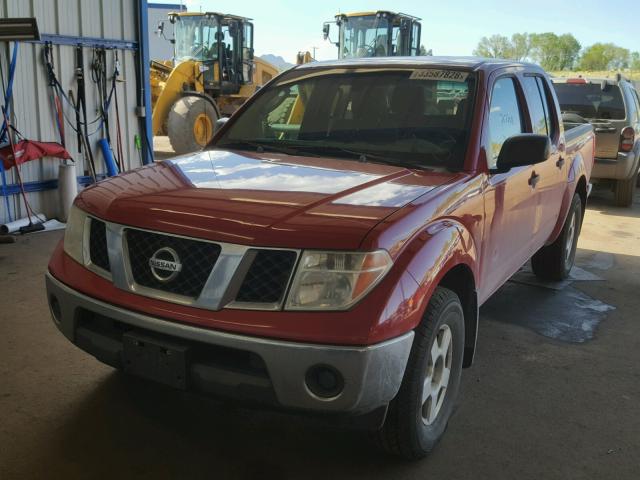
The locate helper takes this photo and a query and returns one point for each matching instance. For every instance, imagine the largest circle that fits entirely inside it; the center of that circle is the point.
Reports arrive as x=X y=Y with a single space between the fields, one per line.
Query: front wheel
x=419 y=414
x=554 y=262
x=190 y=124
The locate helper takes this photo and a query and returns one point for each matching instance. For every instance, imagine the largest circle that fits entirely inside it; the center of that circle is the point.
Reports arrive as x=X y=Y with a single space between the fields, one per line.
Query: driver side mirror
x=219 y=124
x=325 y=31
x=523 y=149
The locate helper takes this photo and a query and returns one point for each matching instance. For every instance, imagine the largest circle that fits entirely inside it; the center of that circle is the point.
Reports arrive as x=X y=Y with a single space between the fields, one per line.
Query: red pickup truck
x=328 y=252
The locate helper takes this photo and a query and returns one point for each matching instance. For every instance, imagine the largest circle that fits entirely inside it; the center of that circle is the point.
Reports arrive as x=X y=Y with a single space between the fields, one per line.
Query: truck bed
x=575 y=133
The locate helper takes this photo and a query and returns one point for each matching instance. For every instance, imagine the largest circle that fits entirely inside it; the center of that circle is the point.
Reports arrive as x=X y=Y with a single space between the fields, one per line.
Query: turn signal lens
x=335 y=280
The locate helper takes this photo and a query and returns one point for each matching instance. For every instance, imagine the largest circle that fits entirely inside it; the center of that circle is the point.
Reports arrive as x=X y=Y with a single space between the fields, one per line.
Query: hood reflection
x=216 y=169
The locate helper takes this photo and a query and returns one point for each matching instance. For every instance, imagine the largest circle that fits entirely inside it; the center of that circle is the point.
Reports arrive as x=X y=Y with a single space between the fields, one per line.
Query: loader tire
x=190 y=124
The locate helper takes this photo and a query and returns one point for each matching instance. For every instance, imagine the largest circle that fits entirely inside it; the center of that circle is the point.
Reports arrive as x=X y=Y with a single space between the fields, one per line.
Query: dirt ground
x=550 y=399
x=162 y=148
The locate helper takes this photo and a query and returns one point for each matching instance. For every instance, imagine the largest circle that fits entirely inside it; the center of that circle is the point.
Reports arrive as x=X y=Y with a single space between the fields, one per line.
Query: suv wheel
x=624 y=191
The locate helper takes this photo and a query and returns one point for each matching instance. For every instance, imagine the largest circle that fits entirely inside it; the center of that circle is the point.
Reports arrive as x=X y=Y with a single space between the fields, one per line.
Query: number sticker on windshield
x=430 y=74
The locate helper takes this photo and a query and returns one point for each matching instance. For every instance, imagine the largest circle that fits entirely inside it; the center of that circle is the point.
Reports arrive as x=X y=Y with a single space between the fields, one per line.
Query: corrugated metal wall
x=32 y=107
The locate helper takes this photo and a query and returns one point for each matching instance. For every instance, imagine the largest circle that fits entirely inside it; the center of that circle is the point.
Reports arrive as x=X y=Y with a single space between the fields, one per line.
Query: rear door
x=510 y=200
x=633 y=102
x=551 y=174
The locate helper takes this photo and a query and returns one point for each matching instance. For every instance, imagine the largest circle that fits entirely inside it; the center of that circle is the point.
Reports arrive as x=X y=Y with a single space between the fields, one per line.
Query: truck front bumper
x=359 y=379
x=621 y=168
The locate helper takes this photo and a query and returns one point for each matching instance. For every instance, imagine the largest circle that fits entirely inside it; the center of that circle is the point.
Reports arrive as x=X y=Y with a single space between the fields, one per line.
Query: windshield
x=366 y=36
x=402 y=117
x=590 y=100
x=195 y=37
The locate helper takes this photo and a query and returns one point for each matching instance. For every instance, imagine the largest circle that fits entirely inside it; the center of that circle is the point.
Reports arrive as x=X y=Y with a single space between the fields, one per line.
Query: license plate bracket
x=163 y=361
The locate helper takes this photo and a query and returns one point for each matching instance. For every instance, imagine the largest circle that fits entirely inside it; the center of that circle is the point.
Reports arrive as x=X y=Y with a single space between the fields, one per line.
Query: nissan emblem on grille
x=165 y=264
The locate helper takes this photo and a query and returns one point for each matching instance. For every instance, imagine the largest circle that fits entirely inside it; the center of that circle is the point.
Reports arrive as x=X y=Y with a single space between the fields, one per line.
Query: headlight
x=335 y=280
x=74 y=234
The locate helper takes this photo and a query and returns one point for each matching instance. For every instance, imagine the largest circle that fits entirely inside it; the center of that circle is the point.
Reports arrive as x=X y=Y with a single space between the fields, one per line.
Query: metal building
x=118 y=26
x=161 y=48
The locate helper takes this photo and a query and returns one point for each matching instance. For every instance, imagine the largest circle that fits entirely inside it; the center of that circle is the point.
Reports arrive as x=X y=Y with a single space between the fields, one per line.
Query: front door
x=510 y=198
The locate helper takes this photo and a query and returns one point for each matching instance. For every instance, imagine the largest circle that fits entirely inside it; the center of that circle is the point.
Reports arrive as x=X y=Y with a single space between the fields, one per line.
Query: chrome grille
x=211 y=275
x=197 y=259
x=98 y=251
x=268 y=276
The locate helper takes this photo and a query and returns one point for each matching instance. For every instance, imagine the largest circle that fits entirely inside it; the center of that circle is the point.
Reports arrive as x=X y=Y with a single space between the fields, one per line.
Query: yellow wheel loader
x=212 y=74
x=376 y=34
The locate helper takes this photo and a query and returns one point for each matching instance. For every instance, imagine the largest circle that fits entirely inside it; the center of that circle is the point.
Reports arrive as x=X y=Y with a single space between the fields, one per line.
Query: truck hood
x=260 y=199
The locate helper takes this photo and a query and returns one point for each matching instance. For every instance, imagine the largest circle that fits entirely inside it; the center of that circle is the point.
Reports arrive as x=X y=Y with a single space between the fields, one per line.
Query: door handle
x=560 y=163
x=534 y=179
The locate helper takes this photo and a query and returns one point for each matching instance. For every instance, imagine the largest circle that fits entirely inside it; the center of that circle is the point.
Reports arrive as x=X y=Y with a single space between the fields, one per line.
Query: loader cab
x=376 y=34
x=221 y=44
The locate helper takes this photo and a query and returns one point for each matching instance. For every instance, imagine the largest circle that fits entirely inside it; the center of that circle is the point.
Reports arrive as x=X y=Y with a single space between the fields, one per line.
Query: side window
x=536 y=107
x=505 y=119
x=396 y=40
x=636 y=98
x=544 y=93
x=415 y=33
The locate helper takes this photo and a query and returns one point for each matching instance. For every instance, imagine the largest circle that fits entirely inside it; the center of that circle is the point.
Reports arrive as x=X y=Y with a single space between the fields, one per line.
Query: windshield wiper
x=362 y=156
x=259 y=147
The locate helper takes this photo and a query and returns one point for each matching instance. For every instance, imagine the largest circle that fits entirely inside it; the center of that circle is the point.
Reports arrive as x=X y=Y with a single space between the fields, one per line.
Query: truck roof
x=470 y=63
x=376 y=12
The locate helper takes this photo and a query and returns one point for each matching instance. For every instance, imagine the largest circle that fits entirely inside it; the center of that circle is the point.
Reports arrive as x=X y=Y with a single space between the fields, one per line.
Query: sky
x=284 y=27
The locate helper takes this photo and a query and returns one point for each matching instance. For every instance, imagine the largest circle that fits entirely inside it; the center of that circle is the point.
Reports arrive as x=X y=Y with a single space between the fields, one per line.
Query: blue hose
x=112 y=169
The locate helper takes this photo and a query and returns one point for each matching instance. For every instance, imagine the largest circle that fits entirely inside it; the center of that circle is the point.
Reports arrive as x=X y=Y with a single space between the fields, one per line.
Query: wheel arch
x=448 y=258
x=461 y=281
x=577 y=183
x=581 y=189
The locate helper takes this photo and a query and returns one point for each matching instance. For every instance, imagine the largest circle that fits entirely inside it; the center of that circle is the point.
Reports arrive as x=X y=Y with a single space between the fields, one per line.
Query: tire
x=190 y=124
x=624 y=191
x=406 y=432
x=554 y=262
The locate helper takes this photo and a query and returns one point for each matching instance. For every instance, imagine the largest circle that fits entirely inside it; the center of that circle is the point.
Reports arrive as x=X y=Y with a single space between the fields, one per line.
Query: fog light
x=324 y=381
x=54 y=305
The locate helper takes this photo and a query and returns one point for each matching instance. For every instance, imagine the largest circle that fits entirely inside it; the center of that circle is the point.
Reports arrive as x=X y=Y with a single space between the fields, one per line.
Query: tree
x=495 y=46
x=604 y=56
x=520 y=46
x=551 y=51
x=424 y=52
x=635 y=61
x=554 y=52
x=569 y=51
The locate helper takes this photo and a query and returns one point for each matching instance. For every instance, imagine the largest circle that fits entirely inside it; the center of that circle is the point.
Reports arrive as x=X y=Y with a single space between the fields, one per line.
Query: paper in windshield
x=437 y=74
